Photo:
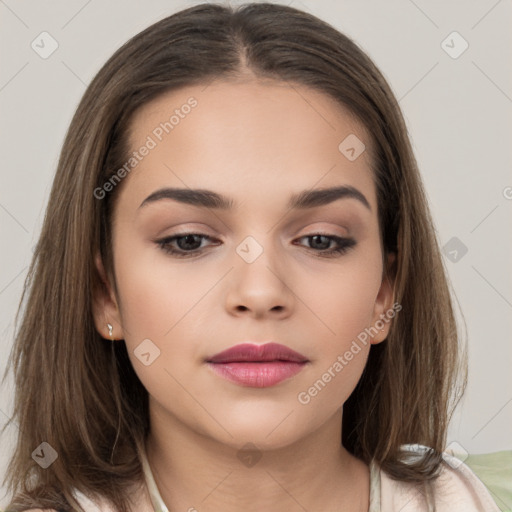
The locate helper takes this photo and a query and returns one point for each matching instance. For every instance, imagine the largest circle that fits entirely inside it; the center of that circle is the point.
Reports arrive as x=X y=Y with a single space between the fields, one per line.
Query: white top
x=457 y=489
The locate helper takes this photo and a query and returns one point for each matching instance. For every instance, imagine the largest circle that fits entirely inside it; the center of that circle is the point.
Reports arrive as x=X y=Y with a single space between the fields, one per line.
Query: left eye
x=342 y=245
x=190 y=244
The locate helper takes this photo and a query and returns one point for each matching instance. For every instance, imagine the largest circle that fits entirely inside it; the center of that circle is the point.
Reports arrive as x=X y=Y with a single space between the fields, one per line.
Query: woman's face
x=255 y=272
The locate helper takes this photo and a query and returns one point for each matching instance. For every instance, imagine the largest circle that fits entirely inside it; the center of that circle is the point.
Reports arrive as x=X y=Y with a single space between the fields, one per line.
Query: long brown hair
x=79 y=393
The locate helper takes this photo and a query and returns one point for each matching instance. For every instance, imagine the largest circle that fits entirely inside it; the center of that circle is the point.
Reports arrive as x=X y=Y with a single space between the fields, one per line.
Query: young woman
x=237 y=301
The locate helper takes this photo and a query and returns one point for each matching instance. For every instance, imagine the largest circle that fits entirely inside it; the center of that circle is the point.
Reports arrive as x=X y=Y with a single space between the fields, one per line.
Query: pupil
x=317 y=237
x=189 y=239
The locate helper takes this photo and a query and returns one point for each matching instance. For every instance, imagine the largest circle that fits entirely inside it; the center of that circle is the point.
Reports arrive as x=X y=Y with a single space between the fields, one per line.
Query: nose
x=259 y=288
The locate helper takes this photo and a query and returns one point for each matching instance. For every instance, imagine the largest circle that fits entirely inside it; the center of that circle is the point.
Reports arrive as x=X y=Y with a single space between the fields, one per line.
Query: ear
x=384 y=309
x=104 y=306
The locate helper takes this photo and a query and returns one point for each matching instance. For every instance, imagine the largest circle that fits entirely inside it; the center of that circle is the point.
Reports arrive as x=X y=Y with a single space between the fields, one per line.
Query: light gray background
x=458 y=112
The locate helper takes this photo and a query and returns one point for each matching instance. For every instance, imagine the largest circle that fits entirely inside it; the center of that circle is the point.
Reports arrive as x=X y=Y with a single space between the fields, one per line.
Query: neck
x=195 y=472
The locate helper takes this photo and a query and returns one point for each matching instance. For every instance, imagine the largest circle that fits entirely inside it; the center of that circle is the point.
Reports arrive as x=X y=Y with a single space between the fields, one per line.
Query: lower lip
x=257 y=375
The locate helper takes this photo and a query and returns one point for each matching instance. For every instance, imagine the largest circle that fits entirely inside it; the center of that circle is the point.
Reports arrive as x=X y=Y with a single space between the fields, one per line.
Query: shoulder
x=139 y=500
x=138 y=497
x=456 y=489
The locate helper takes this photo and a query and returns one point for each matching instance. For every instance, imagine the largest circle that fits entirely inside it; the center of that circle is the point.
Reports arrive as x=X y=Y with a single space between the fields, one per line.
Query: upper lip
x=257 y=353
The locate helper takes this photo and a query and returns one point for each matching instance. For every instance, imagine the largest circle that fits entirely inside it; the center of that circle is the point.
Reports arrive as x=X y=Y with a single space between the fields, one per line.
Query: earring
x=110 y=331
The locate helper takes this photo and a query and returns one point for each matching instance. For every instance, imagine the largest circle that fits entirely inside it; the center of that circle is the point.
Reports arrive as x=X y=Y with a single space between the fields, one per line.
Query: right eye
x=188 y=244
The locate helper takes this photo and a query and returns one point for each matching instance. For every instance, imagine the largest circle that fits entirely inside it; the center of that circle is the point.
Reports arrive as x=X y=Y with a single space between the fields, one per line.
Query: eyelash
x=344 y=245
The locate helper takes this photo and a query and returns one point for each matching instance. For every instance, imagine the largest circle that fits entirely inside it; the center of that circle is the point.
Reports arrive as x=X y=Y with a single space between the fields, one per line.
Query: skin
x=258 y=143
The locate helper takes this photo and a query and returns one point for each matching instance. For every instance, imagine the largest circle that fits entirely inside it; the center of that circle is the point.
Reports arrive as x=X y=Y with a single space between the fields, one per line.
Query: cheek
x=344 y=297
x=159 y=312
x=155 y=295
x=345 y=305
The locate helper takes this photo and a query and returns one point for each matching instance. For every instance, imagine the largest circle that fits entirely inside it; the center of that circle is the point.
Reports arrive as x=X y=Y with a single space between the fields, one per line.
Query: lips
x=258 y=353
x=257 y=366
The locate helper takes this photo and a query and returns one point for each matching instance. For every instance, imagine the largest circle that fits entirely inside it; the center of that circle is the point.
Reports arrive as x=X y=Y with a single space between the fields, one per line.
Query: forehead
x=250 y=137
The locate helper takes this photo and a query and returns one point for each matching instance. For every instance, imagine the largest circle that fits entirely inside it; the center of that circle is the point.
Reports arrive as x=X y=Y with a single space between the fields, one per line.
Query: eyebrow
x=209 y=199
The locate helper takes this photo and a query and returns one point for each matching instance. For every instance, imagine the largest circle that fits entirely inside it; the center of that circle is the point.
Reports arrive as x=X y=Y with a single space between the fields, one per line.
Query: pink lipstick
x=257 y=366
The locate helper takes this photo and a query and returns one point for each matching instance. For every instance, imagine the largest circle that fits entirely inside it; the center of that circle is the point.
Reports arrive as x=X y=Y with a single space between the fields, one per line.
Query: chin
x=267 y=431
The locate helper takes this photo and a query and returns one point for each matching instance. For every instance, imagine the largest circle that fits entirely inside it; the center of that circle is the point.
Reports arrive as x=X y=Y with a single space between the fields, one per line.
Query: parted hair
x=80 y=394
